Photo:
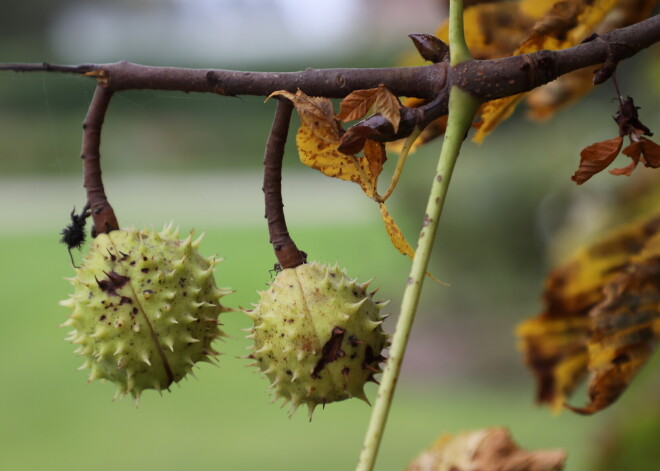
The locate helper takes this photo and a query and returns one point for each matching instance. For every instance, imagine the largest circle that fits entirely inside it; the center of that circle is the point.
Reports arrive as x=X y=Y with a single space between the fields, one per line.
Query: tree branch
x=497 y=78
x=102 y=213
x=288 y=255
x=483 y=79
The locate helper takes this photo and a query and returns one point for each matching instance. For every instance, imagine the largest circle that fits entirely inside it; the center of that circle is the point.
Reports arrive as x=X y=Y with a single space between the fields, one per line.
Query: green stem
x=459 y=51
x=462 y=108
x=464 y=105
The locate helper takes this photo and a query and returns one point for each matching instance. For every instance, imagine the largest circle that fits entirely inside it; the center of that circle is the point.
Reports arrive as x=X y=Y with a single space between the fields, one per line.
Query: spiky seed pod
x=317 y=336
x=145 y=309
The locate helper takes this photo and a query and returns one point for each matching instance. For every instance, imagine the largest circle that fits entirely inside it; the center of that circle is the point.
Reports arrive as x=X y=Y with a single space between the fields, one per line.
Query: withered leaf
x=625 y=328
x=559 y=344
x=597 y=157
x=634 y=151
x=492 y=113
x=375 y=155
x=396 y=236
x=485 y=450
x=322 y=154
x=650 y=152
x=357 y=104
x=563 y=25
x=315 y=113
x=388 y=105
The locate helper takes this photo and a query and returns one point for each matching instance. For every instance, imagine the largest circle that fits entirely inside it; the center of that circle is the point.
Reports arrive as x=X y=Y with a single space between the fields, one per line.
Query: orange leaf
x=596 y=157
x=651 y=153
x=485 y=450
x=559 y=344
x=634 y=151
x=356 y=104
x=493 y=113
x=388 y=105
x=374 y=153
x=396 y=236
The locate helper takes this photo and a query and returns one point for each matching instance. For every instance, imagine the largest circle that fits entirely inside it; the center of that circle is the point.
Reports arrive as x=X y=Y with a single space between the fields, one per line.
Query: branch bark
x=483 y=79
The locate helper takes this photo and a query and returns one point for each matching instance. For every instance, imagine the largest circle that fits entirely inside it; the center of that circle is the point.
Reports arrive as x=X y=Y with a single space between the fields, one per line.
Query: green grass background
x=462 y=369
x=50 y=419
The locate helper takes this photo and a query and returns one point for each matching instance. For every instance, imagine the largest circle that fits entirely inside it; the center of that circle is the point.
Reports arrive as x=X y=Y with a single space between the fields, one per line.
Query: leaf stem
x=462 y=107
x=403 y=156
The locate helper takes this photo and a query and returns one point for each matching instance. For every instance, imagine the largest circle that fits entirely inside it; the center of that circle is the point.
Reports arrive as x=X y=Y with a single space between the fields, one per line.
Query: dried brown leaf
x=596 y=158
x=650 y=153
x=561 y=345
x=388 y=105
x=485 y=450
x=634 y=151
x=374 y=153
x=315 y=113
x=356 y=104
x=625 y=328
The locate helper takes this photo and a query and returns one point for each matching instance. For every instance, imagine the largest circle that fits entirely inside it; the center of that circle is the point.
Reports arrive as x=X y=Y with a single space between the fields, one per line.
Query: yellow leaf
x=322 y=154
x=495 y=30
x=493 y=113
x=566 y=24
x=396 y=236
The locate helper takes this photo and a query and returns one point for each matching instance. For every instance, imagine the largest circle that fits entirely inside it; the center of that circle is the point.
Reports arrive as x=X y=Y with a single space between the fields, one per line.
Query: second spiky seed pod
x=317 y=336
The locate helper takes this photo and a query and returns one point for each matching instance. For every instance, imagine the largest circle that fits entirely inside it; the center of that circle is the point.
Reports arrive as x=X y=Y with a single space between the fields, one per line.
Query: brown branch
x=498 y=78
x=285 y=248
x=102 y=213
x=484 y=79
x=421 y=81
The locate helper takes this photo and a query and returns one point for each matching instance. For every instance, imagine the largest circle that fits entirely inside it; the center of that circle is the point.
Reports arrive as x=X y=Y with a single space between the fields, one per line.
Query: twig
x=102 y=213
x=288 y=255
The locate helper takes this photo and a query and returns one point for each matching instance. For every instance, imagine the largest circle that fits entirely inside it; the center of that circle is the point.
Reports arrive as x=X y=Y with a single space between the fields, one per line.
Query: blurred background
x=196 y=160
